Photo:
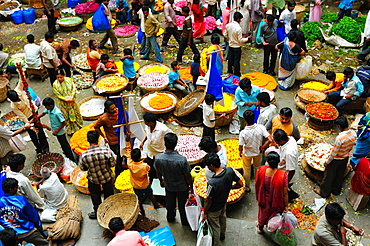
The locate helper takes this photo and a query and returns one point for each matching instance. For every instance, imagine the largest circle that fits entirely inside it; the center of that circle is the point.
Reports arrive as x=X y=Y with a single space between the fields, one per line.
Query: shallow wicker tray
x=126 y=36
x=195 y=161
x=80 y=188
x=189 y=103
x=5 y=120
x=313 y=80
x=303 y=93
x=145 y=99
x=6 y=5
x=114 y=91
x=152 y=89
x=61 y=24
x=124 y=205
x=194 y=118
x=54 y=161
x=299 y=103
x=323 y=120
x=86 y=100
x=142 y=70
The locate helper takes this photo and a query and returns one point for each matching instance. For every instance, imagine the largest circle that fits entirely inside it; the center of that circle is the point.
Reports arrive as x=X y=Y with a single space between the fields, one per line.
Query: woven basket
x=311 y=80
x=126 y=36
x=114 y=91
x=4 y=88
x=13 y=4
x=319 y=125
x=194 y=118
x=142 y=70
x=324 y=120
x=299 y=104
x=61 y=24
x=80 y=188
x=54 y=161
x=95 y=117
x=124 y=205
x=162 y=111
x=146 y=89
x=189 y=103
x=224 y=121
x=306 y=94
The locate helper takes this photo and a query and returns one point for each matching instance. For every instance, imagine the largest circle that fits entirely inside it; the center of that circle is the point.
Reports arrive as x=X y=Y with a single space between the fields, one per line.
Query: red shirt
x=198 y=13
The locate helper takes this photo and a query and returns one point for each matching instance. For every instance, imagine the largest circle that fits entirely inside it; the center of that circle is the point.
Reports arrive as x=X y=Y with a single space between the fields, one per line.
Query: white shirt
x=156 y=139
x=266 y=114
x=53 y=191
x=234 y=34
x=367 y=27
x=142 y=19
x=251 y=138
x=222 y=154
x=5 y=136
x=25 y=188
x=32 y=53
x=48 y=53
x=208 y=115
x=287 y=16
x=288 y=155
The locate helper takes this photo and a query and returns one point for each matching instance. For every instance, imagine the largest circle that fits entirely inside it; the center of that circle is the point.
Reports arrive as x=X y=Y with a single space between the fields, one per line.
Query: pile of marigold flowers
x=160 y=101
x=123 y=183
x=79 y=141
x=185 y=74
x=261 y=80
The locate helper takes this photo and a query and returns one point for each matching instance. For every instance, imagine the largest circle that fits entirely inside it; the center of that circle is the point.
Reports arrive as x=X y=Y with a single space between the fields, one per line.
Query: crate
x=356 y=200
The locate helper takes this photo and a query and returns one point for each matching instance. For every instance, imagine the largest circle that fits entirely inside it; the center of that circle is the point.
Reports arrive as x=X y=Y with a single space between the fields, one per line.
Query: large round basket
x=119 y=88
x=153 y=77
x=194 y=118
x=70 y=23
x=189 y=148
x=85 y=17
x=4 y=88
x=144 y=102
x=92 y=108
x=166 y=69
x=311 y=95
x=224 y=121
x=125 y=27
x=234 y=160
x=319 y=125
x=189 y=103
x=124 y=205
x=336 y=113
x=75 y=173
x=54 y=161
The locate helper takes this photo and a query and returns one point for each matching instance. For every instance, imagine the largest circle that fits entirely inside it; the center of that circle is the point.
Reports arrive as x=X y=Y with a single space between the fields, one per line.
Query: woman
x=199 y=25
x=290 y=51
x=363 y=140
x=315 y=10
x=360 y=181
x=93 y=56
x=65 y=90
x=245 y=24
x=271 y=190
x=206 y=55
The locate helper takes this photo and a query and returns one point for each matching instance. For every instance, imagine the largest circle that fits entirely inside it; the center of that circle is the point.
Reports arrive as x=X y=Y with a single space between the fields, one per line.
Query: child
x=176 y=82
x=288 y=15
x=209 y=119
x=267 y=110
x=58 y=124
x=122 y=11
x=195 y=69
x=105 y=66
x=345 y=9
x=139 y=178
x=336 y=81
x=128 y=64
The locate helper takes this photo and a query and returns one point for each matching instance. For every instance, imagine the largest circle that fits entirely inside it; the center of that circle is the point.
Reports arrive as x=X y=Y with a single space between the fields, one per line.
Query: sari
x=199 y=25
x=315 y=13
x=93 y=62
x=205 y=57
x=362 y=148
x=70 y=110
x=287 y=63
x=360 y=181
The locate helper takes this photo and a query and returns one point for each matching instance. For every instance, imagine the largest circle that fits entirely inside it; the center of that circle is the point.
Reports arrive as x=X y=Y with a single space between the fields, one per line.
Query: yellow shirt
x=276 y=124
x=139 y=173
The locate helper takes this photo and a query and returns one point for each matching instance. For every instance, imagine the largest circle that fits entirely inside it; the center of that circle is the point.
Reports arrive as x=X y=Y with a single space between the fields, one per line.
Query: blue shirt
x=359 y=86
x=124 y=4
x=128 y=68
x=56 y=119
x=172 y=76
x=242 y=97
x=346 y=4
x=32 y=94
x=17 y=213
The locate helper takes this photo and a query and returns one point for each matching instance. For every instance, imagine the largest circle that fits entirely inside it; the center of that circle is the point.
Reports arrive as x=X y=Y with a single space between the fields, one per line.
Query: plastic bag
x=73 y=3
x=257 y=112
x=234 y=126
x=161 y=236
x=228 y=85
x=17 y=143
x=304 y=67
x=285 y=235
x=48 y=215
x=29 y=15
x=258 y=40
x=100 y=21
x=193 y=209
x=204 y=237
x=274 y=223
x=140 y=35
x=68 y=167
x=289 y=217
x=280 y=31
x=340 y=42
x=17 y=17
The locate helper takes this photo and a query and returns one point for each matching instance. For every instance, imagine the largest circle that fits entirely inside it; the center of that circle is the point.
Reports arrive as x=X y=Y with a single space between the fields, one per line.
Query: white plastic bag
x=193 y=209
x=204 y=237
x=48 y=215
x=68 y=167
x=274 y=223
x=234 y=126
x=290 y=218
x=304 y=67
x=17 y=143
x=340 y=42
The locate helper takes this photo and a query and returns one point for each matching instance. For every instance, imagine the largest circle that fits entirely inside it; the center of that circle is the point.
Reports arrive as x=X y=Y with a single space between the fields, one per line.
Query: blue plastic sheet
x=161 y=236
x=228 y=85
x=100 y=21
x=17 y=17
x=280 y=31
x=215 y=82
x=29 y=15
x=140 y=36
x=73 y=3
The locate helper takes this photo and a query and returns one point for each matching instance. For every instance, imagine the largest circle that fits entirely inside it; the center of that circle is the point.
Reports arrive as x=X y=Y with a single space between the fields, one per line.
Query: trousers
x=233 y=63
x=167 y=34
x=62 y=139
x=217 y=222
x=269 y=63
x=109 y=34
x=170 y=199
x=247 y=163
x=183 y=45
x=333 y=178
x=95 y=192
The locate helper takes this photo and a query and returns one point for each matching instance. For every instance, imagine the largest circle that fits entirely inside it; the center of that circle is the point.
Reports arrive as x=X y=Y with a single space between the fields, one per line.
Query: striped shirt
x=343 y=144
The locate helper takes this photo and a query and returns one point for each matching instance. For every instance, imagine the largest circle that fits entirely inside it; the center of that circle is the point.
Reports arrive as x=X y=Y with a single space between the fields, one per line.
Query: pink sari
x=198 y=25
x=315 y=13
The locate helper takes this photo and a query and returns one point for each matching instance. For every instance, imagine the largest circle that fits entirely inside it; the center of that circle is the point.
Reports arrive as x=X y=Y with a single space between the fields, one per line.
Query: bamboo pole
x=123 y=95
x=129 y=123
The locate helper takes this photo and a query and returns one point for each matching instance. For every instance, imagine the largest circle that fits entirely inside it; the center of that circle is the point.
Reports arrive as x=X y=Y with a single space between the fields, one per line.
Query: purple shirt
x=256 y=10
x=169 y=15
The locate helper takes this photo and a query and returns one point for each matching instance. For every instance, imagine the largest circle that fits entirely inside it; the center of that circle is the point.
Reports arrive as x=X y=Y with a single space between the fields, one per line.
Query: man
x=217 y=193
x=4 y=59
x=173 y=171
x=345 y=9
x=352 y=88
x=363 y=73
x=5 y=148
x=97 y=161
x=142 y=25
x=233 y=33
x=63 y=51
x=366 y=46
x=288 y=15
x=32 y=53
x=250 y=145
x=300 y=39
x=284 y=121
x=8 y=237
x=49 y=56
x=17 y=213
x=109 y=34
x=170 y=24
x=267 y=110
x=288 y=150
x=186 y=35
x=122 y=237
x=256 y=17
x=51 y=10
x=336 y=163
x=151 y=29
x=268 y=37
x=212 y=7
x=16 y=164
x=336 y=80
x=331 y=229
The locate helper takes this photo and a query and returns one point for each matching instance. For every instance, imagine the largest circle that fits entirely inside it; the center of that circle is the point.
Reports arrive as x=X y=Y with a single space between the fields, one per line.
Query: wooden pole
x=123 y=95
x=129 y=123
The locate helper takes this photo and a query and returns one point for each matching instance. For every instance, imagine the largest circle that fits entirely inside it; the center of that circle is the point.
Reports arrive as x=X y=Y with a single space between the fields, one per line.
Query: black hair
x=174 y=64
x=280 y=135
x=127 y=52
x=291 y=3
x=264 y=97
x=61 y=72
x=185 y=9
x=12 y=95
x=287 y=112
x=49 y=35
x=215 y=39
x=209 y=98
x=107 y=105
x=341 y=121
x=245 y=83
x=48 y=101
x=212 y=159
x=270 y=18
x=248 y=116
x=1 y=46
x=75 y=43
x=330 y=75
x=273 y=159
x=291 y=36
x=93 y=137
x=150 y=117
x=136 y=154
x=368 y=62
x=104 y=57
x=196 y=58
x=145 y=8
x=238 y=16
x=91 y=41
x=294 y=24
x=30 y=38
x=146 y=4
x=348 y=71
x=170 y=140
x=8 y=237
x=207 y=144
x=8 y=184
x=334 y=211
x=116 y=224
x=15 y=161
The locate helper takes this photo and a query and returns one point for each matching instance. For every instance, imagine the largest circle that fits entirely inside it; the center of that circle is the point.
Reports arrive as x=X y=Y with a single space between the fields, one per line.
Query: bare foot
x=317 y=190
x=259 y=229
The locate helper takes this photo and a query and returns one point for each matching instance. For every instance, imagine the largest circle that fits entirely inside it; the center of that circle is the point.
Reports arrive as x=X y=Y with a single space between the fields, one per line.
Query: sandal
x=317 y=190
